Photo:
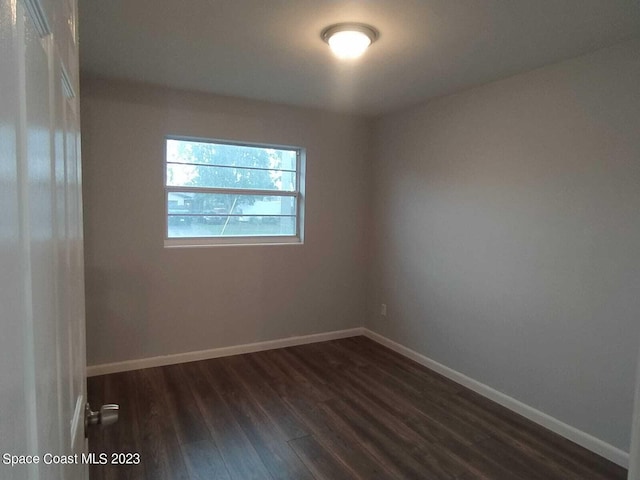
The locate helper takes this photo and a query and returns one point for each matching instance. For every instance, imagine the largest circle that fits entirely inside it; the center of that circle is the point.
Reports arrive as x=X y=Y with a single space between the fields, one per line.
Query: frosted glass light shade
x=349 y=44
x=348 y=41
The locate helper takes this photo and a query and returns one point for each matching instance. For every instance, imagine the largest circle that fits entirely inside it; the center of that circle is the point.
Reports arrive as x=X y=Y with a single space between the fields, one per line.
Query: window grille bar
x=229 y=215
x=232 y=191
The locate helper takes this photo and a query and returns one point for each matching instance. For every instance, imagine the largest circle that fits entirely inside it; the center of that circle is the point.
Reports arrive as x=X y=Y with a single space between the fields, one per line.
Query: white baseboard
x=583 y=439
x=160 y=361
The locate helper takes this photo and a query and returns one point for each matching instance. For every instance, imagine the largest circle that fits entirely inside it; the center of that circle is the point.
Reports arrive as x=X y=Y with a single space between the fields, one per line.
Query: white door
x=42 y=342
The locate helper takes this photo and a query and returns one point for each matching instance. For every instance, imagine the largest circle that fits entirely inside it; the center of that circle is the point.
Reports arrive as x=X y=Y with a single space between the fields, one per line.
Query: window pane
x=208 y=153
x=230 y=226
x=181 y=175
x=229 y=204
x=215 y=214
x=264 y=178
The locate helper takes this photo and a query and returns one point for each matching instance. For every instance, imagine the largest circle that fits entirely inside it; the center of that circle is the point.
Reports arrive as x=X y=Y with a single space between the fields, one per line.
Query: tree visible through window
x=222 y=190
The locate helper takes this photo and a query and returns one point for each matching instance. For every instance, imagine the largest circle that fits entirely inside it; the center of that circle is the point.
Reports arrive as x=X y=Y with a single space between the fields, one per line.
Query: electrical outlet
x=383 y=309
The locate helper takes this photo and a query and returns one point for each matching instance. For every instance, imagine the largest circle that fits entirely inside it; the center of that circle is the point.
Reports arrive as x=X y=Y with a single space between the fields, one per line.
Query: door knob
x=107 y=415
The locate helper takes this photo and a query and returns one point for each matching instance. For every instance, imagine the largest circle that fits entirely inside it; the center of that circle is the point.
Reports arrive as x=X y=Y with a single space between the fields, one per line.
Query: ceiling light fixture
x=349 y=40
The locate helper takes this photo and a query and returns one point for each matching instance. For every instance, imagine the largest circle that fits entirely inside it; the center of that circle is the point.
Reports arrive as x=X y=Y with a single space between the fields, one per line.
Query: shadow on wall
x=117 y=312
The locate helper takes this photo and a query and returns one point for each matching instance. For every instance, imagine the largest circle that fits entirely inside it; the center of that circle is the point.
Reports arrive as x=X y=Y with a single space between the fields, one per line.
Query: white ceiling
x=271 y=49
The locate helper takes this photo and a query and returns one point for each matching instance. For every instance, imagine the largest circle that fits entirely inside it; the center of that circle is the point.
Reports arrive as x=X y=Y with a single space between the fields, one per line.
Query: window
x=231 y=193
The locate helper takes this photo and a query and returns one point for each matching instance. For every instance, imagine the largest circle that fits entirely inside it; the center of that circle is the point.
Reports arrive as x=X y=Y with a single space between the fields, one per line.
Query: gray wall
x=507 y=236
x=145 y=300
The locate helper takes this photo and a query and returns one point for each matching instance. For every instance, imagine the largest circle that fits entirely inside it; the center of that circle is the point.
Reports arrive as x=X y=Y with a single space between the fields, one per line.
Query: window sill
x=230 y=242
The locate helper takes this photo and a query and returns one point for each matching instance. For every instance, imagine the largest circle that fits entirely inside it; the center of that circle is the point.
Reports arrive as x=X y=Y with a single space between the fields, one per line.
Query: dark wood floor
x=345 y=409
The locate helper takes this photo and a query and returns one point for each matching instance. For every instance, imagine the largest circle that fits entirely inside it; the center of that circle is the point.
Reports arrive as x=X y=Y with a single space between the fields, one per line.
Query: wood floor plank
x=424 y=408
x=404 y=370
x=280 y=361
x=515 y=461
x=204 y=461
x=269 y=442
x=424 y=444
x=268 y=399
x=534 y=441
x=183 y=408
x=340 y=410
x=382 y=444
x=554 y=446
x=159 y=447
x=322 y=463
x=340 y=348
x=431 y=426
x=383 y=427
x=240 y=457
x=341 y=442
x=127 y=438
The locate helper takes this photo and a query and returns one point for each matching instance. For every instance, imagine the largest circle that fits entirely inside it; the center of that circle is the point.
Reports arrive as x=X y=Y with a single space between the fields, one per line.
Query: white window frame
x=298 y=194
